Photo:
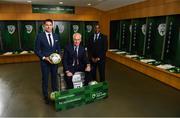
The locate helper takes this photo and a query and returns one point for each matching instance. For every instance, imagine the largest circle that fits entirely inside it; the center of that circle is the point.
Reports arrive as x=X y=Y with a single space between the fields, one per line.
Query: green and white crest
x=75 y=28
x=89 y=28
x=29 y=28
x=61 y=28
x=11 y=29
x=162 y=29
x=143 y=29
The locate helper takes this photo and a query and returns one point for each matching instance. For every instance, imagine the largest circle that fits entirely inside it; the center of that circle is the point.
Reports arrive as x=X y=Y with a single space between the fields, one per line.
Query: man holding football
x=46 y=44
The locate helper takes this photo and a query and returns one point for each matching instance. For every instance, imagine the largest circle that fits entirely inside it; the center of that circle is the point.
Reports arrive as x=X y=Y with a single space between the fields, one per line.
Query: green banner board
x=172 y=44
x=125 y=34
x=28 y=33
x=80 y=96
x=10 y=38
x=89 y=30
x=62 y=28
x=138 y=36
x=115 y=34
x=156 y=30
x=77 y=27
x=54 y=9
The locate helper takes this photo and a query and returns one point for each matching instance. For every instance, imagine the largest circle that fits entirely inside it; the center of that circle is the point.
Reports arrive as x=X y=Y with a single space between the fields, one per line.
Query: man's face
x=48 y=26
x=97 y=29
x=77 y=40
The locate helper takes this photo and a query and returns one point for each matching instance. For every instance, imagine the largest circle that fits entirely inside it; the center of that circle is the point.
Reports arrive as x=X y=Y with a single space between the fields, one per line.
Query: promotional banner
x=1 y=45
x=54 y=9
x=62 y=28
x=28 y=34
x=125 y=34
x=115 y=35
x=89 y=30
x=138 y=36
x=77 y=27
x=172 y=44
x=80 y=96
x=155 y=39
x=10 y=39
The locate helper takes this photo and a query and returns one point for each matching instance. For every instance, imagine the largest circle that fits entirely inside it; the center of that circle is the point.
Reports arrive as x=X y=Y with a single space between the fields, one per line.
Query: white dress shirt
x=52 y=41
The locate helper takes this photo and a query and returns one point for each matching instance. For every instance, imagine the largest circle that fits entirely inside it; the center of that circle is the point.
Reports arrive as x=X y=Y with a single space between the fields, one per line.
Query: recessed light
x=89 y=4
x=61 y=3
x=29 y=1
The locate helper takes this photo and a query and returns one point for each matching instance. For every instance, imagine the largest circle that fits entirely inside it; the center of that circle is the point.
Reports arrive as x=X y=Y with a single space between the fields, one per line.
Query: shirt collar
x=48 y=33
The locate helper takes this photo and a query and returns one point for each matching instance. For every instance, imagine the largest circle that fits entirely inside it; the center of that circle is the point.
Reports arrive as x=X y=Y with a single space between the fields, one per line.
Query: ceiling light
x=89 y=4
x=61 y=3
x=29 y=1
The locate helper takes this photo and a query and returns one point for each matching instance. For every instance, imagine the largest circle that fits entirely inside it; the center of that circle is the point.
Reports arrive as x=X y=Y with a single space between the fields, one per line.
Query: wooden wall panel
x=24 y=12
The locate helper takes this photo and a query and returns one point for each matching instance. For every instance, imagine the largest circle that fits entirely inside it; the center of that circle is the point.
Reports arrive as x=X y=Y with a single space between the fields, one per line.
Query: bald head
x=77 y=39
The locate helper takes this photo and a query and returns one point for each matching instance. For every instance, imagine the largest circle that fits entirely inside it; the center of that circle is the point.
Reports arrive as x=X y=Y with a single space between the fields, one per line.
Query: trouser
x=45 y=69
x=101 y=68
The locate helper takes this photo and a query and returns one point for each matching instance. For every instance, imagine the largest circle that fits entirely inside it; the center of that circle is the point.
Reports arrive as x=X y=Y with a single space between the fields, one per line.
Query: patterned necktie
x=50 y=40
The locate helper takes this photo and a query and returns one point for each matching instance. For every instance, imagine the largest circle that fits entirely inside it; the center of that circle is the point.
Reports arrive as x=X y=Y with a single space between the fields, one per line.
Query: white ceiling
x=103 y=5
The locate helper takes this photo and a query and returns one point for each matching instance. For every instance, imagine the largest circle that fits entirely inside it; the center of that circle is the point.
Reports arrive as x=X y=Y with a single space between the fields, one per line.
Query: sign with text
x=79 y=96
x=53 y=9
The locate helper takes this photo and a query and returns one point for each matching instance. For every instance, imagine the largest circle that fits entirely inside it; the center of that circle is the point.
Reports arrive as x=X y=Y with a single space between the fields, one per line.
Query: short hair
x=48 y=20
x=77 y=34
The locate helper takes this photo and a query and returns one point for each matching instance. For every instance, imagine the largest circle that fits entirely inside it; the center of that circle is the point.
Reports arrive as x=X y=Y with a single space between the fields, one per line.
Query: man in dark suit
x=97 y=47
x=47 y=43
x=75 y=60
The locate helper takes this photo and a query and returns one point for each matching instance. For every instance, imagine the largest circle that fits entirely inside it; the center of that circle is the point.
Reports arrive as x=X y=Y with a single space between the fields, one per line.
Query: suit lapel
x=46 y=40
x=54 y=39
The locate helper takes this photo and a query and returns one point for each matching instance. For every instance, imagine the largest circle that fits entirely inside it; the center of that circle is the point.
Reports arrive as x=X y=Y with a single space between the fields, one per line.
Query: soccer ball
x=92 y=82
x=53 y=95
x=55 y=58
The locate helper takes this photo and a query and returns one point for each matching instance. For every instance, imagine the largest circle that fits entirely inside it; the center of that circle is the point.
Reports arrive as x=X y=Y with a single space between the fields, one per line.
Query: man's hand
x=88 y=68
x=47 y=59
x=69 y=74
x=95 y=60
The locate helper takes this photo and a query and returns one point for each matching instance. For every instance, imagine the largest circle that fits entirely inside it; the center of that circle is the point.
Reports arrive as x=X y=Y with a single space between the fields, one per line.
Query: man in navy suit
x=97 y=47
x=75 y=60
x=47 y=43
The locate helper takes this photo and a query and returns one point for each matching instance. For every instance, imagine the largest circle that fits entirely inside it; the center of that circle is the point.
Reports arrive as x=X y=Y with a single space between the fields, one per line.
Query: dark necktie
x=76 y=56
x=50 y=40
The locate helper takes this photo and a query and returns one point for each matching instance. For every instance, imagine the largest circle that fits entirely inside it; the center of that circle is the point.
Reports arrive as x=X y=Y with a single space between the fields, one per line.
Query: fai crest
x=61 y=28
x=162 y=29
x=89 y=28
x=29 y=28
x=75 y=28
x=11 y=29
x=143 y=28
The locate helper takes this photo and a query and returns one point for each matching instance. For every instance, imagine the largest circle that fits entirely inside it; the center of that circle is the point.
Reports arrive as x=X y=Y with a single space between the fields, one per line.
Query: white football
x=92 y=82
x=55 y=58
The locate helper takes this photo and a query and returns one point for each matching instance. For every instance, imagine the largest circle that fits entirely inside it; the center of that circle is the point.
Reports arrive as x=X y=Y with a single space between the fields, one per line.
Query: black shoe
x=46 y=100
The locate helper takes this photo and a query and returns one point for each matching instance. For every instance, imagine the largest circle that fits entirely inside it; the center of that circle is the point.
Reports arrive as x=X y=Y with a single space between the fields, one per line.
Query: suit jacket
x=68 y=58
x=42 y=47
x=97 y=48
